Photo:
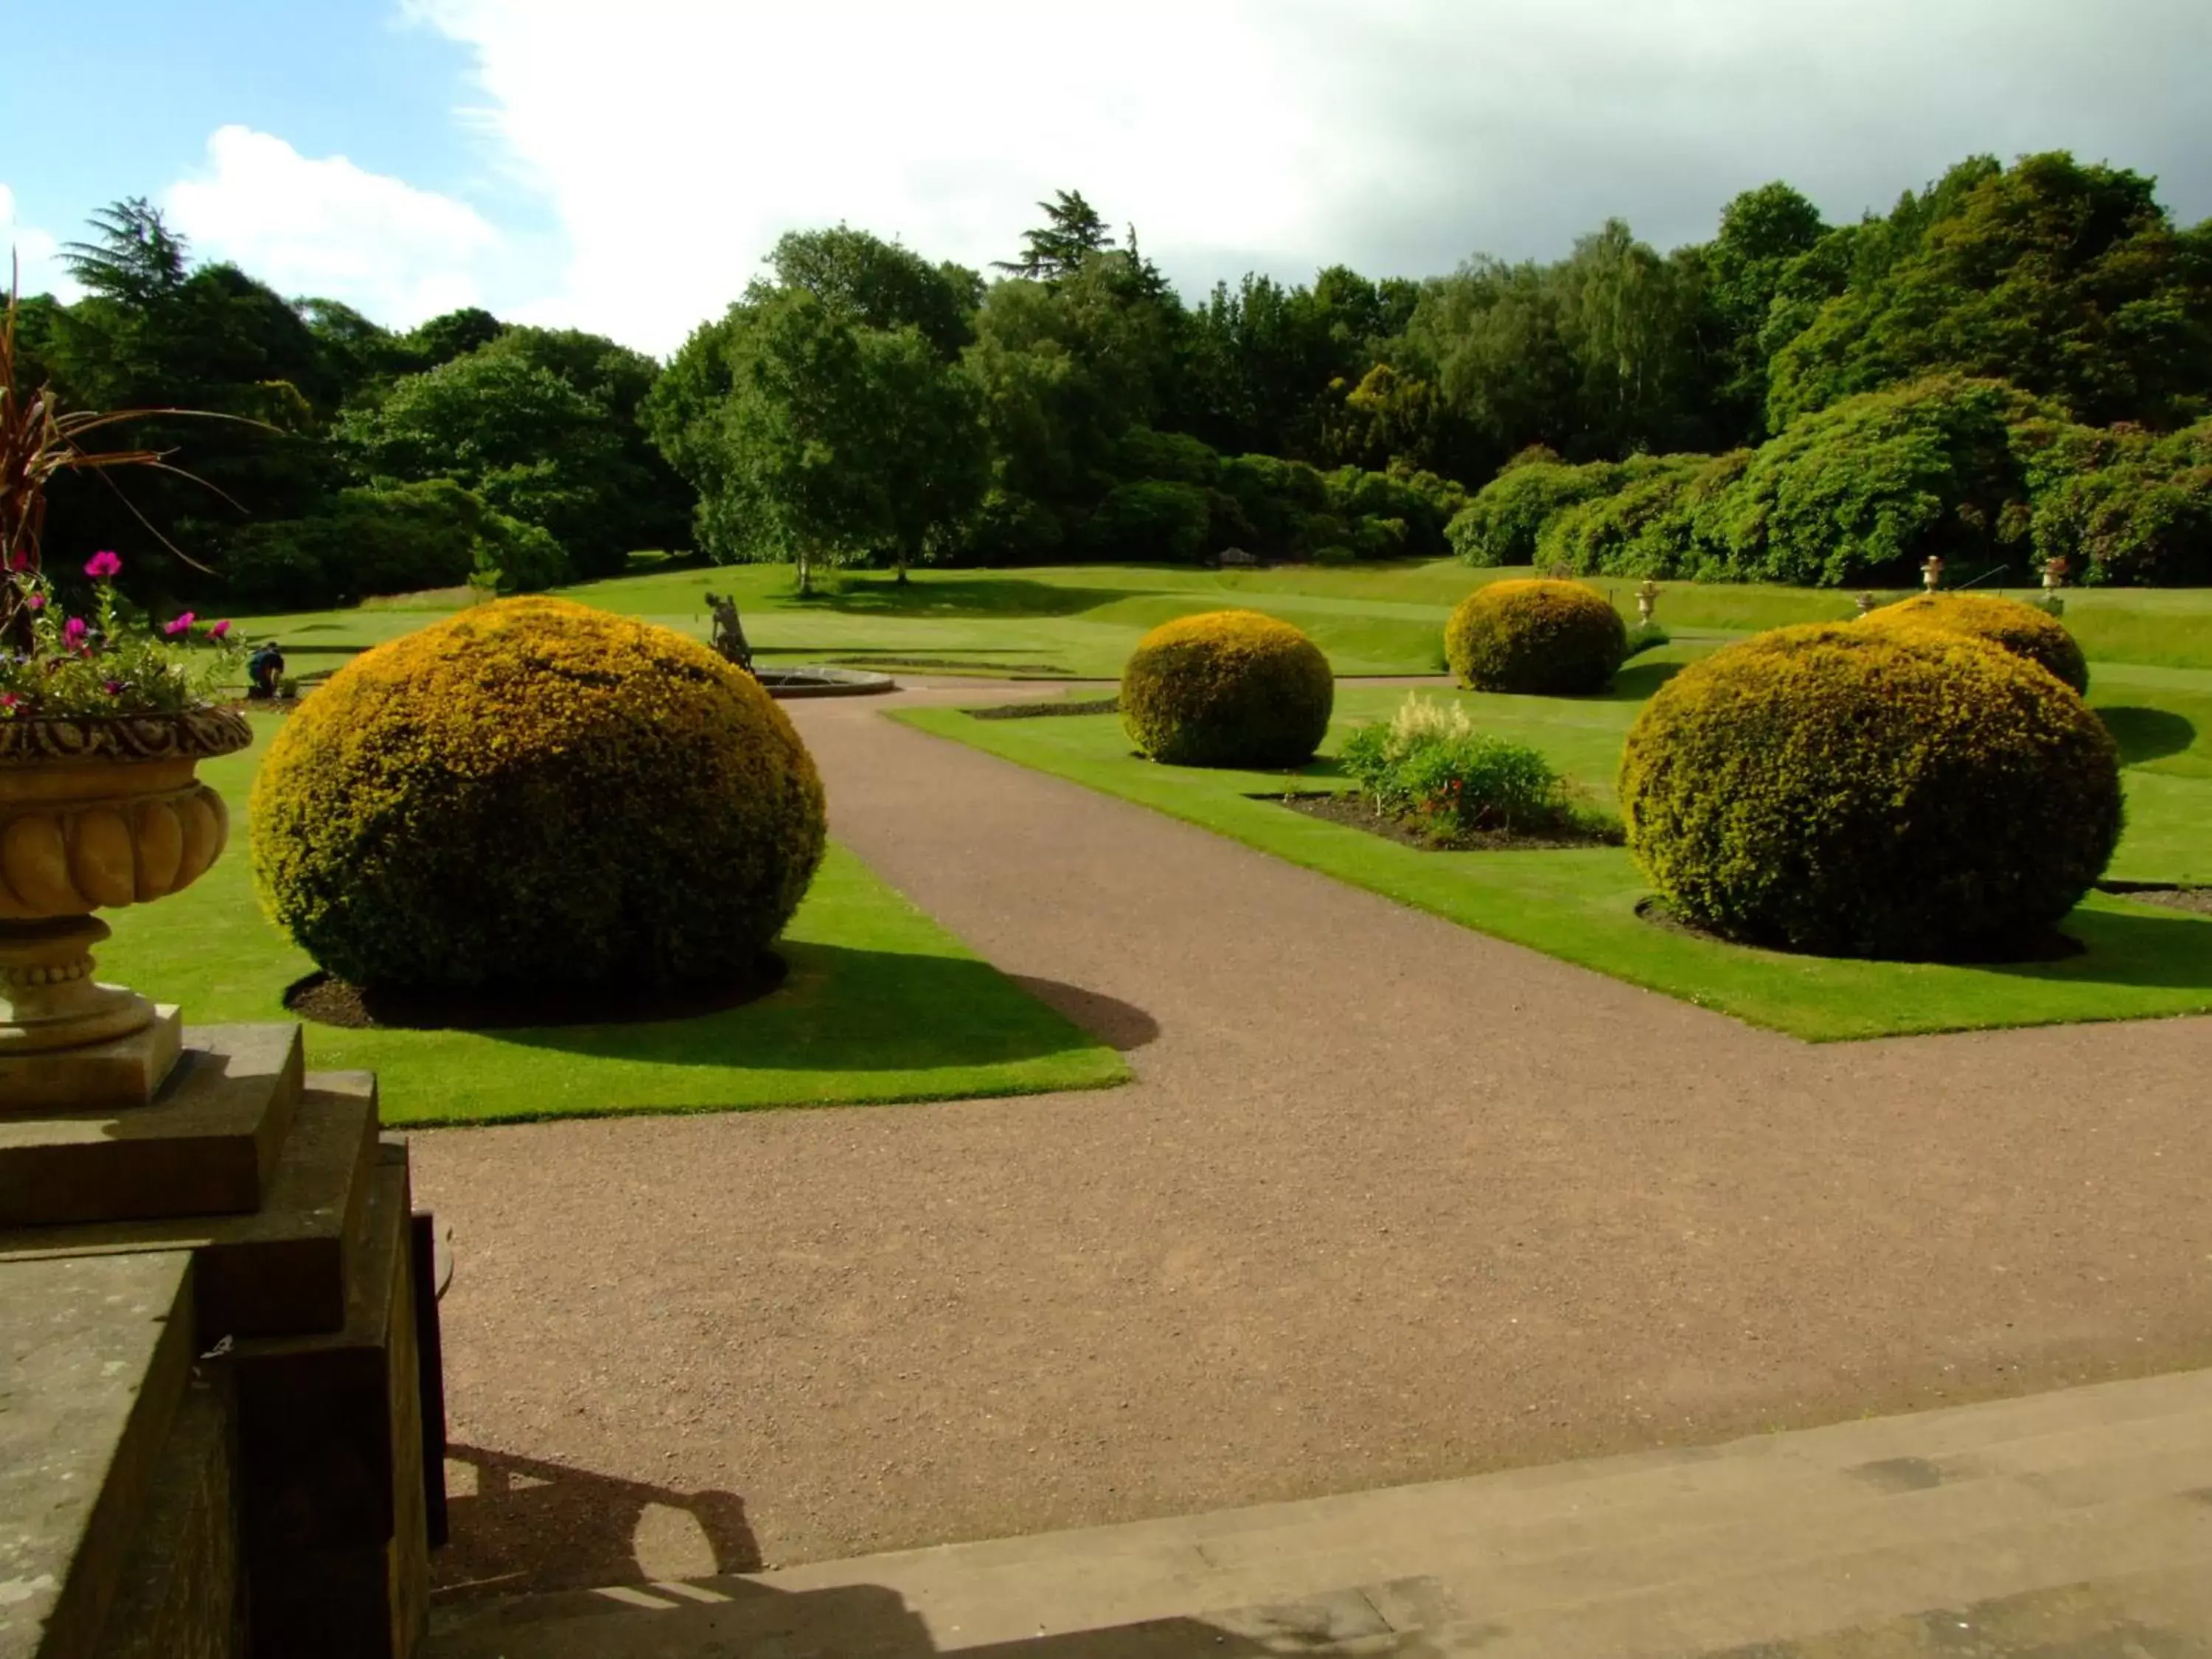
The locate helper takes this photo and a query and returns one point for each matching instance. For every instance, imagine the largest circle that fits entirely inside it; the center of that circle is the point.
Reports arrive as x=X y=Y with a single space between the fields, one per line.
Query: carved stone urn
x=95 y=814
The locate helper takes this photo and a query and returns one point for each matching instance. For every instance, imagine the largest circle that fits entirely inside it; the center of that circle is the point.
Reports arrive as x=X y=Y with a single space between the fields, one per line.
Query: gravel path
x=1390 y=1201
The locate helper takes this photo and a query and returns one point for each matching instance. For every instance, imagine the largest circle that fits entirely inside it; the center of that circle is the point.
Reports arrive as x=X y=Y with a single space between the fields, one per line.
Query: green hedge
x=534 y=795
x=1537 y=638
x=1230 y=688
x=1853 y=790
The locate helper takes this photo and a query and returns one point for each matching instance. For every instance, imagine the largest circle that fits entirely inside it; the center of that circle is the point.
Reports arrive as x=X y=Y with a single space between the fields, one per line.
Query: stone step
x=94 y=1353
x=1777 y=1538
x=276 y=1271
x=207 y=1144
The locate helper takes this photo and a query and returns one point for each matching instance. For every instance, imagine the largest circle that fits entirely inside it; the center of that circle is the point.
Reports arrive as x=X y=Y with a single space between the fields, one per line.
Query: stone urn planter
x=95 y=814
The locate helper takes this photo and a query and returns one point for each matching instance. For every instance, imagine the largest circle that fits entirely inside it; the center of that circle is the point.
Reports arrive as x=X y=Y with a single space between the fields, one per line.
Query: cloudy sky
x=622 y=166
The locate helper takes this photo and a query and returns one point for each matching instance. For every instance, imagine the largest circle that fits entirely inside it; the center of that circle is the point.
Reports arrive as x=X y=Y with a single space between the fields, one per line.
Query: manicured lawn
x=1580 y=905
x=881 y=1004
x=1081 y=620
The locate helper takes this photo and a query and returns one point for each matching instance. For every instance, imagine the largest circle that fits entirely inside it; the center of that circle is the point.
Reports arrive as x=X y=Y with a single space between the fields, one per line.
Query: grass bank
x=880 y=1004
x=1579 y=905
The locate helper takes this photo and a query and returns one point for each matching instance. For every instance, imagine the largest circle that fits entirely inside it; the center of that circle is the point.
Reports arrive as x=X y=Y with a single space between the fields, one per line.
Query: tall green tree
x=878 y=284
x=2067 y=279
x=813 y=438
x=1763 y=233
x=929 y=444
x=1072 y=233
x=533 y=445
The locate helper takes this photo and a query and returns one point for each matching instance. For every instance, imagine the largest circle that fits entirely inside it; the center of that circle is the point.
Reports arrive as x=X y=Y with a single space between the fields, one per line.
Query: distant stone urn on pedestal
x=95 y=814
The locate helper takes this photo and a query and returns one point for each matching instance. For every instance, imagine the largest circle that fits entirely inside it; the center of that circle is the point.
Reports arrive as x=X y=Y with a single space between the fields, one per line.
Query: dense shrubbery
x=402 y=538
x=1869 y=791
x=1541 y=638
x=532 y=796
x=1230 y=688
x=2023 y=630
x=1500 y=525
x=1651 y=526
x=2123 y=505
x=1431 y=766
x=1860 y=491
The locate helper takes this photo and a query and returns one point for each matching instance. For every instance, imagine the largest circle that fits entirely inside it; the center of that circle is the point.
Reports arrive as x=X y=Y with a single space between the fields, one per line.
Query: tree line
x=2012 y=358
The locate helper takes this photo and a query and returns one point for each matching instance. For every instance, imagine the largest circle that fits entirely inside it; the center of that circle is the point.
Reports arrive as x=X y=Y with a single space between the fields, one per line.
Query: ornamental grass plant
x=1433 y=767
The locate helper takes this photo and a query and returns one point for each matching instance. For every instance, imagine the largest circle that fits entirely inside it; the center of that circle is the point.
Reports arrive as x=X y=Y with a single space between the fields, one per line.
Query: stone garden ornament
x=104 y=716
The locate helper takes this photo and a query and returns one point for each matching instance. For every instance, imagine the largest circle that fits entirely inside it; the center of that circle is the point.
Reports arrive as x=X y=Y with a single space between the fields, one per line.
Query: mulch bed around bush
x=2053 y=946
x=331 y=1001
x=1357 y=812
x=2198 y=899
x=1027 y=711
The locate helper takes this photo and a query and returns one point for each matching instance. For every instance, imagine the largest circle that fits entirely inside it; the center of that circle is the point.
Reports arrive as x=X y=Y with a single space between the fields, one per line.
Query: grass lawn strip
x=881 y=1004
x=1082 y=621
x=1580 y=905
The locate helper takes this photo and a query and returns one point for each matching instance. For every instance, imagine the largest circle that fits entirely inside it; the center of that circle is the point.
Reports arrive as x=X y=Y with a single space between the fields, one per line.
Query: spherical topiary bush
x=535 y=797
x=1541 y=638
x=1870 y=793
x=1230 y=687
x=2023 y=630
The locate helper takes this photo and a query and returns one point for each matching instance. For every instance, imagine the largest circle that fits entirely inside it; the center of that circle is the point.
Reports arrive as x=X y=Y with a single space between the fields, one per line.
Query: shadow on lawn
x=2148 y=734
x=2166 y=949
x=894 y=1011
x=966 y=596
x=1638 y=680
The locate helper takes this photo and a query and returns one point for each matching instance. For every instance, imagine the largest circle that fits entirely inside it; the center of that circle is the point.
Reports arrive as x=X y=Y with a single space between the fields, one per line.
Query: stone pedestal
x=269 y=1498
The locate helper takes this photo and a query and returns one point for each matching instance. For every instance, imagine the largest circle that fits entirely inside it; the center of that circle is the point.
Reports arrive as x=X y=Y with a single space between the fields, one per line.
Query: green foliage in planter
x=534 y=794
x=1849 y=791
x=1539 y=638
x=1230 y=688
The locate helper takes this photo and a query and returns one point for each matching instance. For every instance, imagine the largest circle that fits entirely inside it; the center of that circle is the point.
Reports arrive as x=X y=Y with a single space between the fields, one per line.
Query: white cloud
x=34 y=251
x=675 y=139
x=326 y=228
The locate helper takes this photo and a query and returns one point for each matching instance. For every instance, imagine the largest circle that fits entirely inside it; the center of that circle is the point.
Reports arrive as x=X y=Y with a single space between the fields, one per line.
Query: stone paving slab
x=1874 y=1540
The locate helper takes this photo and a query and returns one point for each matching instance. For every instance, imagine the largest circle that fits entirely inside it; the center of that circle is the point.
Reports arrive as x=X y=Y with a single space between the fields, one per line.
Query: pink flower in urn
x=35 y=601
x=101 y=566
x=220 y=630
x=114 y=688
x=7 y=699
x=182 y=625
x=73 y=632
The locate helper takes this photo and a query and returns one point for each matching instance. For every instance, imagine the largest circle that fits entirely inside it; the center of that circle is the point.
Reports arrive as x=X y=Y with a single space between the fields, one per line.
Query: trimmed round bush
x=1230 y=687
x=1861 y=792
x=2023 y=630
x=1536 y=637
x=535 y=796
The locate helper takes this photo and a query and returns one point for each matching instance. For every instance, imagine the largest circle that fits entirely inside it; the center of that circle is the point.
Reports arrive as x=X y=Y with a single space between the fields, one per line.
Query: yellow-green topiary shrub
x=1899 y=793
x=1230 y=687
x=1537 y=637
x=2023 y=630
x=535 y=796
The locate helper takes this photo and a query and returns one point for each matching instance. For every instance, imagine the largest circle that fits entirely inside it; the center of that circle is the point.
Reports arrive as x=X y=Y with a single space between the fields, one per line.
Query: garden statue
x=1931 y=573
x=1866 y=602
x=729 y=639
x=1647 y=600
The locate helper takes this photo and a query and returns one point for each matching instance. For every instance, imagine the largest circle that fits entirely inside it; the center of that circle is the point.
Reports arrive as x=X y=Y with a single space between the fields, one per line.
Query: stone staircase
x=2073 y=1525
